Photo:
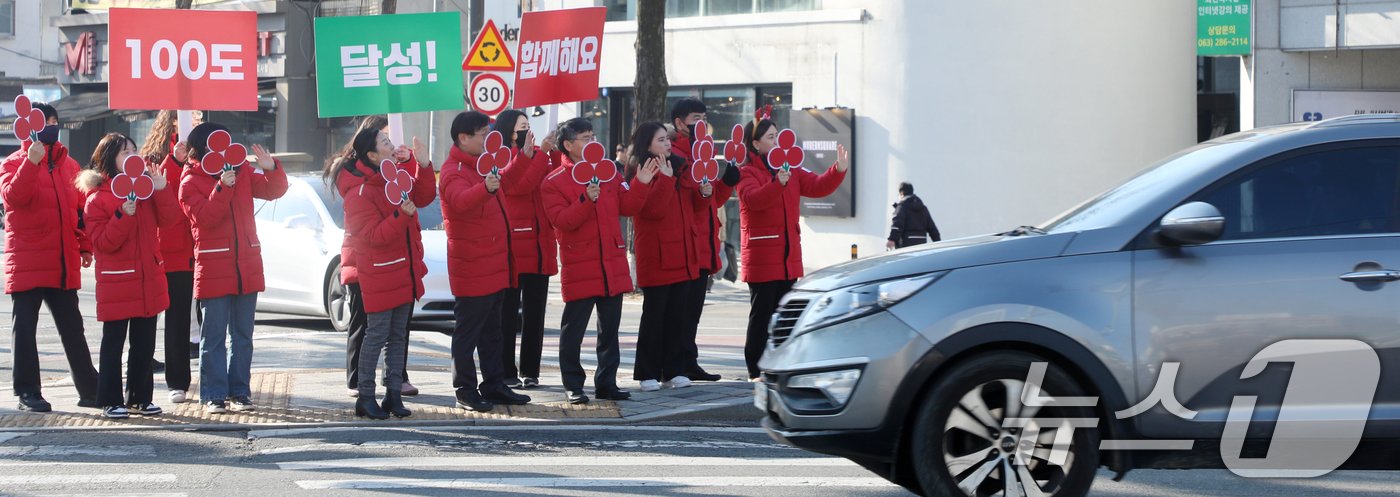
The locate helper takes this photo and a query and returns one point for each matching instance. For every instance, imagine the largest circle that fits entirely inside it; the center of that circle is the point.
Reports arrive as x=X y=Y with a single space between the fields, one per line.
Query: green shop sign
x=1222 y=27
x=388 y=64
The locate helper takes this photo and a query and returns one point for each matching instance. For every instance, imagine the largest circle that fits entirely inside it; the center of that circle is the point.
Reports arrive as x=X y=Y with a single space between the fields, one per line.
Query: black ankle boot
x=366 y=408
x=393 y=403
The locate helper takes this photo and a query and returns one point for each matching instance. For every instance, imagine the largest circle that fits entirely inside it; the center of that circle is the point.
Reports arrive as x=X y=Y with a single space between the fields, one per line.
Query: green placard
x=1222 y=27
x=388 y=63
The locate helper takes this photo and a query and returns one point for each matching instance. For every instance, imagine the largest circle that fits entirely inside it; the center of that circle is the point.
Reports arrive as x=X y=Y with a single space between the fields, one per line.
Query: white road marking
x=92 y=479
x=5 y=437
x=551 y=461
x=659 y=481
x=477 y=445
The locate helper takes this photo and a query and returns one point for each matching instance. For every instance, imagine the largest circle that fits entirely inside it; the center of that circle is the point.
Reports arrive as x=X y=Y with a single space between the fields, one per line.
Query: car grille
x=441 y=305
x=785 y=320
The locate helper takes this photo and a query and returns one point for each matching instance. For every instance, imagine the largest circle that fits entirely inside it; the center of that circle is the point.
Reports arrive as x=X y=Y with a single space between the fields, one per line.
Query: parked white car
x=301 y=235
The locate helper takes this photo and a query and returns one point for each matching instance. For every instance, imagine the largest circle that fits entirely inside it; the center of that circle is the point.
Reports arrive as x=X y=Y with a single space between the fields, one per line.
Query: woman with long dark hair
x=771 y=239
x=344 y=174
x=534 y=253
x=131 y=283
x=382 y=216
x=667 y=260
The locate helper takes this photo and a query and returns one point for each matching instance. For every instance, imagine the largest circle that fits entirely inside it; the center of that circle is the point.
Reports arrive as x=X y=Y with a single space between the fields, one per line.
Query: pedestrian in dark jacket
x=912 y=223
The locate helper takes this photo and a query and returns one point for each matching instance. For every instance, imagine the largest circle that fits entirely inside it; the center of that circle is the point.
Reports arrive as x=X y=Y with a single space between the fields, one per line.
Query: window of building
x=626 y=10
x=7 y=17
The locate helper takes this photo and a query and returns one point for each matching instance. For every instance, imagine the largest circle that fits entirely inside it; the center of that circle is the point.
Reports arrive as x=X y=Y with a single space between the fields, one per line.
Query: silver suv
x=912 y=363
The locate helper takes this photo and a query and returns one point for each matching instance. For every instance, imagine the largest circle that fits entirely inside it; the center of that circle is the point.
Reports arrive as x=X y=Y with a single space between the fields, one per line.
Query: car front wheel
x=963 y=445
x=338 y=302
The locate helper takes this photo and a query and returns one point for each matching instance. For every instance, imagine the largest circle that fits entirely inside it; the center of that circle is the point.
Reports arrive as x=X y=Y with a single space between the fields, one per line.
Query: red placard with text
x=559 y=56
x=183 y=59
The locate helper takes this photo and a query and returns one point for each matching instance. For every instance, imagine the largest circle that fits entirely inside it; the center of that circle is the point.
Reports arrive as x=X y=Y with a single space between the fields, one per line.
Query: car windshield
x=430 y=217
x=1103 y=210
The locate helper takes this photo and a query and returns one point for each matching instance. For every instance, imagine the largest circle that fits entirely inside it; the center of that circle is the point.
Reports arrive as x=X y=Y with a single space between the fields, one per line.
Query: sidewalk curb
x=689 y=412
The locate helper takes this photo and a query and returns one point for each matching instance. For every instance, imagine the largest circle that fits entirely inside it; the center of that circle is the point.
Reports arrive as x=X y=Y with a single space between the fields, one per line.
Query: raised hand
x=265 y=161
x=181 y=152
x=401 y=154
x=843 y=158
x=649 y=170
x=528 y=148
x=157 y=178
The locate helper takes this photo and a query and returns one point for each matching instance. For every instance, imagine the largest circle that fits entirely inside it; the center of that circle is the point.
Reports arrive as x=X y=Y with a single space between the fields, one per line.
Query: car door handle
x=1375 y=276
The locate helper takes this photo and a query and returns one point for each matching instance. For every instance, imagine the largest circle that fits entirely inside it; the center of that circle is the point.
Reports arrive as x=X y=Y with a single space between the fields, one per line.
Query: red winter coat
x=388 y=245
x=707 y=221
x=771 y=240
x=533 y=248
x=177 y=240
x=479 y=259
x=130 y=273
x=667 y=244
x=43 y=240
x=227 y=253
x=348 y=181
x=592 y=250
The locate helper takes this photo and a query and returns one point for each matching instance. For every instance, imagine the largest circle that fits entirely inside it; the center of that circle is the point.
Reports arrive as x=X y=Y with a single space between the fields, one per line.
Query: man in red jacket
x=684 y=114
x=595 y=272
x=478 y=256
x=44 y=245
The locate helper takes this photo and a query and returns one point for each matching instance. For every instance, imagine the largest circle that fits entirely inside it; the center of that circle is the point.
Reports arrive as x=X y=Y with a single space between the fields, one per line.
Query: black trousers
x=661 y=336
x=698 y=289
x=478 y=330
x=63 y=304
x=571 y=334
x=523 y=314
x=139 y=379
x=359 y=322
x=177 y=329
x=763 y=300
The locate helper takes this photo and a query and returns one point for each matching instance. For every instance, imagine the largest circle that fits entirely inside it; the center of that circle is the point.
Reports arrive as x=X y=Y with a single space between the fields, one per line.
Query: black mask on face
x=49 y=135
x=691 y=128
x=520 y=139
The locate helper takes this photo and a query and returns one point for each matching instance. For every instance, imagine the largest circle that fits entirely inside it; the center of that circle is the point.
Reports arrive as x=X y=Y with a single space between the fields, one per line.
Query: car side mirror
x=1195 y=223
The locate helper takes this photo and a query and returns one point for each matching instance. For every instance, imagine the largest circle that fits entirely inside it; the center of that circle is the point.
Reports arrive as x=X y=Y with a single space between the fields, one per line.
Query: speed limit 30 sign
x=489 y=94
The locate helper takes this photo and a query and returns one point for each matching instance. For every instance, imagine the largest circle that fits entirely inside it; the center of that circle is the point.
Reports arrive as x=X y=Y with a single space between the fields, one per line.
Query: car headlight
x=844 y=304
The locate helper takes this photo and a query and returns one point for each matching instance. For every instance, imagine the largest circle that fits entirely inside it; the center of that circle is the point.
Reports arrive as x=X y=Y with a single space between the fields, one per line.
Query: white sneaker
x=650 y=385
x=178 y=397
x=678 y=382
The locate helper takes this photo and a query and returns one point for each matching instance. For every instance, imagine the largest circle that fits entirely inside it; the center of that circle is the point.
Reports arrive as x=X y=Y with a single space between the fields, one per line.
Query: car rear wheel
x=338 y=302
x=962 y=446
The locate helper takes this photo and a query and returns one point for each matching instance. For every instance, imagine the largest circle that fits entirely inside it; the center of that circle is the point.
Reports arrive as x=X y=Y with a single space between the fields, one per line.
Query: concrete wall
x=1307 y=29
x=1000 y=112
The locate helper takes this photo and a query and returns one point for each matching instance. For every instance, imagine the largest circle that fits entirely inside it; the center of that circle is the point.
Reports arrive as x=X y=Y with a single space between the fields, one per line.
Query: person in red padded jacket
x=345 y=175
x=382 y=216
x=667 y=261
x=771 y=244
x=164 y=150
x=44 y=246
x=595 y=273
x=478 y=256
x=228 y=269
x=131 y=284
x=534 y=255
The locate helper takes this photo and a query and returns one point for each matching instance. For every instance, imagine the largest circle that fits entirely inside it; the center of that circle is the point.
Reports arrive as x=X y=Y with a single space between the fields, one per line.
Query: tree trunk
x=184 y=4
x=651 y=62
x=388 y=6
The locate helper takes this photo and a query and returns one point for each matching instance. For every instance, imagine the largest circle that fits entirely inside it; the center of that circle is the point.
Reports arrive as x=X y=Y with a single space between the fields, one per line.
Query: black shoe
x=701 y=375
x=215 y=407
x=194 y=351
x=157 y=367
x=577 y=397
x=505 y=396
x=513 y=382
x=88 y=403
x=467 y=399
x=241 y=404
x=530 y=383
x=613 y=395
x=393 y=404
x=147 y=409
x=33 y=402
x=366 y=408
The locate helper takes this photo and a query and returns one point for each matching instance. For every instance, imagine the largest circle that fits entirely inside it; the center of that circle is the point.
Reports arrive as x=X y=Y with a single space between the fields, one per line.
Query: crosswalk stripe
x=549 y=461
x=659 y=481
x=78 y=450
x=88 y=479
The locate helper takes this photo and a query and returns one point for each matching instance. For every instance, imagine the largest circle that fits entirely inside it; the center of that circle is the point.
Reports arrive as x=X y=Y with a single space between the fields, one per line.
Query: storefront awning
x=73 y=110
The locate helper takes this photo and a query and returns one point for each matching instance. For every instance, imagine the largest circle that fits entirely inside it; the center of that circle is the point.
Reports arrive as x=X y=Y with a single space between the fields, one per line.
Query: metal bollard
x=854 y=252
